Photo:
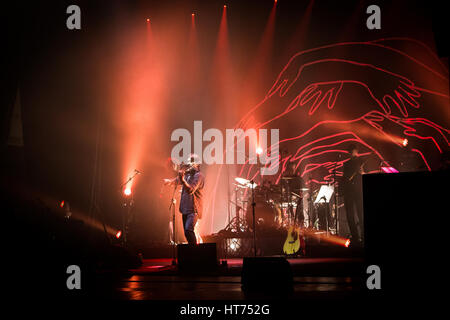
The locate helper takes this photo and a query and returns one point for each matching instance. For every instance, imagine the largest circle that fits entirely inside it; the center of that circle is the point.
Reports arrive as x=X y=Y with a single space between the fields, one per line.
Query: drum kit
x=276 y=206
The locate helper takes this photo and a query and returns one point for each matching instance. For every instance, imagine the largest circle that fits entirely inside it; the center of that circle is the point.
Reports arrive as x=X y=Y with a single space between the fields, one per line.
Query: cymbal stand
x=237 y=223
x=253 y=214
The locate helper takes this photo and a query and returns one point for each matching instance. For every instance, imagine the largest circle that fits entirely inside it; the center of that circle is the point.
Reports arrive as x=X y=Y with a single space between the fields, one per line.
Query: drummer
x=294 y=184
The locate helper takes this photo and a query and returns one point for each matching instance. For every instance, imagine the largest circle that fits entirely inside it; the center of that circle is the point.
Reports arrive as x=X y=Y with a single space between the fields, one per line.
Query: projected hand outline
x=310 y=90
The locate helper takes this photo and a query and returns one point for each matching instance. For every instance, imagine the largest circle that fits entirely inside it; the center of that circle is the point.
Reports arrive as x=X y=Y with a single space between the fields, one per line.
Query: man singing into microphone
x=192 y=181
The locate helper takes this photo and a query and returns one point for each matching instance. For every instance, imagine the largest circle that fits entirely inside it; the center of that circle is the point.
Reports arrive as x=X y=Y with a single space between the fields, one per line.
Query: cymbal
x=244 y=183
x=242 y=180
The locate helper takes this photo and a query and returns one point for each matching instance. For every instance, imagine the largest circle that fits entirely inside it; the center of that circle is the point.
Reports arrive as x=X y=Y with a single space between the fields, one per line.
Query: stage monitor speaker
x=266 y=274
x=405 y=226
x=197 y=258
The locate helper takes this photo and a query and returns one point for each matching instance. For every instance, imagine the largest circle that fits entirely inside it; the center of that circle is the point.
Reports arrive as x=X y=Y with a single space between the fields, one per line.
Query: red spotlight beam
x=192 y=57
x=299 y=36
x=222 y=44
x=258 y=70
x=222 y=75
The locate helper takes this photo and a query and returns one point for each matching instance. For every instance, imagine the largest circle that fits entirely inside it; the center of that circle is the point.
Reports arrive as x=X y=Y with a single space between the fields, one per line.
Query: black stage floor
x=157 y=279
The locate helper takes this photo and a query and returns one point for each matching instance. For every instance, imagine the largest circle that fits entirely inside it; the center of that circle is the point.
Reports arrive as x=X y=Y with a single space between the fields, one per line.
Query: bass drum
x=266 y=215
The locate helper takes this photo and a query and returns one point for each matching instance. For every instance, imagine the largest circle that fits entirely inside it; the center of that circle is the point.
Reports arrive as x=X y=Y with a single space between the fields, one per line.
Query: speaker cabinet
x=197 y=258
x=405 y=217
x=266 y=274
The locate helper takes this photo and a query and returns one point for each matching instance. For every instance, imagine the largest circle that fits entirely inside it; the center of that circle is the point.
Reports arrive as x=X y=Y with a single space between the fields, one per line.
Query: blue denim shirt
x=191 y=198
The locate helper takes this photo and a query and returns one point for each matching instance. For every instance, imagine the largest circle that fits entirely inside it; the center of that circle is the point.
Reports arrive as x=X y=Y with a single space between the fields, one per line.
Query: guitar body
x=292 y=244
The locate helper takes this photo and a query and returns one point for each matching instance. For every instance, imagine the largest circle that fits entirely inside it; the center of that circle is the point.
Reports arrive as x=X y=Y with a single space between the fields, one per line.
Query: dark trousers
x=299 y=215
x=189 y=221
x=354 y=207
x=324 y=216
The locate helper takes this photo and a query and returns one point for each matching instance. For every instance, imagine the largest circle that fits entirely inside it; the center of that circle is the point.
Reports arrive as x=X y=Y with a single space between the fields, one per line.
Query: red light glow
x=119 y=234
x=389 y=170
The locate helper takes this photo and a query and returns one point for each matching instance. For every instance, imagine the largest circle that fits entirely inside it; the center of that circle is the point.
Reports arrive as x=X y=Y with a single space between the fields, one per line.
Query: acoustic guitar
x=293 y=243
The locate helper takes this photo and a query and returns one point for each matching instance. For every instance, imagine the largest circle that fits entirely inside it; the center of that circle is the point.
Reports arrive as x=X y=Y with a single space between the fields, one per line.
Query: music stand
x=324 y=195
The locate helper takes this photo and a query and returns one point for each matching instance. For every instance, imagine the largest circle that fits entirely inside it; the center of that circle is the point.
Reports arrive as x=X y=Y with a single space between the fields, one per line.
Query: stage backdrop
x=100 y=102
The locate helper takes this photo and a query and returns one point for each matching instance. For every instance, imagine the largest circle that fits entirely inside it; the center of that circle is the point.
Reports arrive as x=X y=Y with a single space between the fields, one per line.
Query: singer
x=192 y=181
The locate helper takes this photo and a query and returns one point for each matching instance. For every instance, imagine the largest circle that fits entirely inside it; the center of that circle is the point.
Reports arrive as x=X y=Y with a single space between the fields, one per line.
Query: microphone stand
x=172 y=210
x=336 y=205
x=125 y=219
x=129 y=179
x=253 y=214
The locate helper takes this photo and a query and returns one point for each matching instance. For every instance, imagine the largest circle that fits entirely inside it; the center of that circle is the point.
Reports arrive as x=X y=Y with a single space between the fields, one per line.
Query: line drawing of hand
x=391 y=92
x=312 y=100
x=354 y=51
x=375 y=133
x=398 y=99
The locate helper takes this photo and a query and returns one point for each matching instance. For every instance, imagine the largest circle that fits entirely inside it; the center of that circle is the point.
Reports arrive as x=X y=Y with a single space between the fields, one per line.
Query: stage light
x=127 y=191
x=61 y=204
x=148 y=20
x=259 y=150
x=405 y=142
x=193 y=14
x=224 y=6
x=118 y=234
x=327 y=237
x=347 y=243
x=389 y=170
x=234 y=244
